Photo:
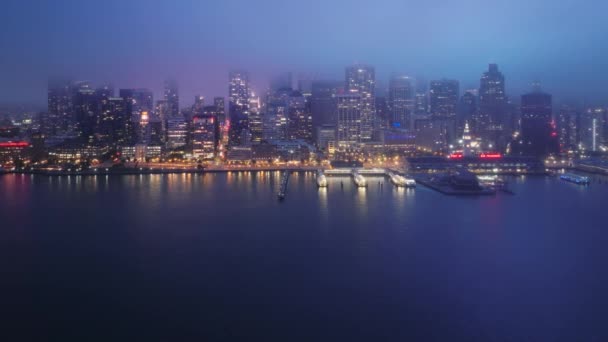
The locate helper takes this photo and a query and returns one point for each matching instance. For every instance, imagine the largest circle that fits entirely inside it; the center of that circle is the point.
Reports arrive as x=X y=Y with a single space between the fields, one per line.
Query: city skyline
x=201 y=49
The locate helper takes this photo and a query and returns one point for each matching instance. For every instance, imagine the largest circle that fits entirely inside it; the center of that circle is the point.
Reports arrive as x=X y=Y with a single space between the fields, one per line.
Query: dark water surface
x=217 y=257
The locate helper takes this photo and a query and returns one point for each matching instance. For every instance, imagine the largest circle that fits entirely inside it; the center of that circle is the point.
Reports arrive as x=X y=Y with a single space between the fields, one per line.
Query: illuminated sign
x=14 y=144
x=490 y=156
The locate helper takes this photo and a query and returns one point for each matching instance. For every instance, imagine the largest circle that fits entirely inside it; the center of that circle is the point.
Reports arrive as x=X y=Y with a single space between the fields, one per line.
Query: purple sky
x=138 y=43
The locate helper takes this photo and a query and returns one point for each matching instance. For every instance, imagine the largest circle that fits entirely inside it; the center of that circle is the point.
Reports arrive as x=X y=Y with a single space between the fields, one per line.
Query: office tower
x=383 y=116
x=276 y=115
x=238 y=105
x=492 y=120
x=299 y=125
x=204 y=136
x=255 y=119
x=171 y=95
x=421 y=100
x=177 y=132
x=326 y=136
x=87 y=109
x=401 y=100
x=569 y=124
x=113 y=126
x=199 y=104
x=323 y=102
x=60 y=111
x=139 y=104
x=220 y=106
x=443 y=100
x=361 y=80
x=538 y=137
x=349 y=109
x=593 y=129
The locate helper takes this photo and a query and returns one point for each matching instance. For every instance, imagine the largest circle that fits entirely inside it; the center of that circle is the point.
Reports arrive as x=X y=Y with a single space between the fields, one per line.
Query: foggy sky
x=139 y=43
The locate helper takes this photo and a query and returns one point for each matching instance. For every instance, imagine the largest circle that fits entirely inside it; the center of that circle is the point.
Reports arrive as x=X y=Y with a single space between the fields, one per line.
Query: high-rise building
x=299 y=125
x=199 y=104
x=255 y=119
x=538 y=135
x=177 y=132
x=276 y=115
x=443 y=98
x=401 y=100
x=491 y=121
x=349 y=120
x=238 y=105
x=204 y=136
x=220 y=107
x=87 y=110
x=361 y=79
x=171 y=95
x=569 y=124
x=60 y=111
x=323 y=102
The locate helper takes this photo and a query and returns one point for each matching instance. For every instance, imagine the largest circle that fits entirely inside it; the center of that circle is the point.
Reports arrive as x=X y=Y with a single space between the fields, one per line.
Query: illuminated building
x=569 y=125
x=299 y=124
x=256 y=125
x=12 y=150
x=348 y=120
x=199 y=104
x=401 y=100
x=177 y=132
x=326 y=135
x=492 y=120
x=361 y=80
x=204 y=132
x=238 y=105
x=171 y=95
x=86 y=110
x=443 y=98
x=538 y=136
x=60 y=111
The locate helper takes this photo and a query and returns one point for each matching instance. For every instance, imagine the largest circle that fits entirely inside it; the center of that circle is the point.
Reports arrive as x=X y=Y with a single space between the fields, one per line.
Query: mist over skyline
x=140 y=43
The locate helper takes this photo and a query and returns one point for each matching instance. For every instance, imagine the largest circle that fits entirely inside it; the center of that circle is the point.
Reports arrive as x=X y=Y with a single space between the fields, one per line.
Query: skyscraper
x=491 y=121
x=538 y=136
x=349 y=120
x=60 y=110
x=299 y=125
x=401 y=100
x=361 y=79
x=171 y=95
x=323 y=102
x=443 y=98
x=238 y=105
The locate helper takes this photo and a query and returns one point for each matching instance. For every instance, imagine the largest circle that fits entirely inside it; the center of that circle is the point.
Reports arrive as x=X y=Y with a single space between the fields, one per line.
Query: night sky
x=138 y=43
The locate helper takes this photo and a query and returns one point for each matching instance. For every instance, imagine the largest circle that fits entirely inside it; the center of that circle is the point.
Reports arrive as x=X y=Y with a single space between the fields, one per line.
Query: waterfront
x=215 y=255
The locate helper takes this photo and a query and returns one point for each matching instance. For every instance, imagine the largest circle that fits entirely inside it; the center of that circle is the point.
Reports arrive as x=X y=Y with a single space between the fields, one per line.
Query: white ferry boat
x=359 y=180
x=401 y=181
x=321 y=179
x=573 y=178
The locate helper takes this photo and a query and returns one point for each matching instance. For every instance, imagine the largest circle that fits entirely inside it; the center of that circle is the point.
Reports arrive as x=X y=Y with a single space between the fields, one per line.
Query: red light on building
x=14 y=144
x=456 y=155
x=490 y=156
x=553 y=134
